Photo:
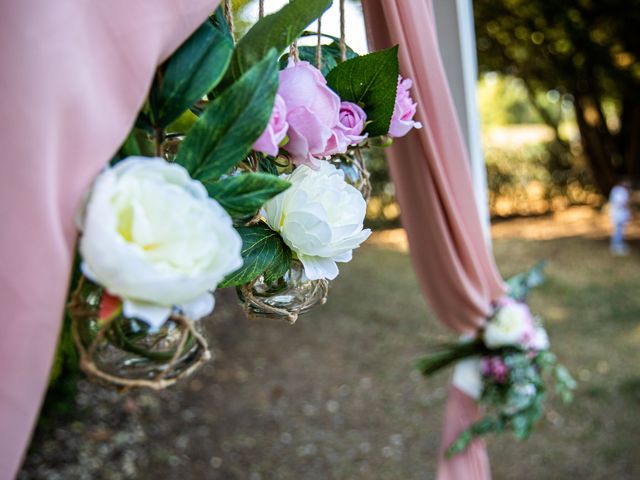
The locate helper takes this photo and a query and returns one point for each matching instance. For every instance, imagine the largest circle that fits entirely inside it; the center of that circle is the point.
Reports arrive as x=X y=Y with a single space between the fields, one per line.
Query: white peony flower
x=540 y=339
x=320 y=217
x=152 y=236
x=512 y=325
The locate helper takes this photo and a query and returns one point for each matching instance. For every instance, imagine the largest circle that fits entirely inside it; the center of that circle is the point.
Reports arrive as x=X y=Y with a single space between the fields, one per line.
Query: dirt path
x=336 y=397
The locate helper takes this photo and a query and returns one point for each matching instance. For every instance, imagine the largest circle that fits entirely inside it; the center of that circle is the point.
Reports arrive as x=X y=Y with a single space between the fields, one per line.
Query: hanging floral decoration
x=244 y=169
x=507 y=366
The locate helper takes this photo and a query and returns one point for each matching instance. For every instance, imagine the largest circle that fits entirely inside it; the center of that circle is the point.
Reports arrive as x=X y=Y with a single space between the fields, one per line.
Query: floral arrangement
x=506 y=367
x=233 y=176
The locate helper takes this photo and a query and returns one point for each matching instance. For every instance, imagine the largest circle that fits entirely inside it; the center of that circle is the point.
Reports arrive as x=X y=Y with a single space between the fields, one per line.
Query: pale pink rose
x=276 y=129
x=403 y=111
x=348 y=131
x=312 y=112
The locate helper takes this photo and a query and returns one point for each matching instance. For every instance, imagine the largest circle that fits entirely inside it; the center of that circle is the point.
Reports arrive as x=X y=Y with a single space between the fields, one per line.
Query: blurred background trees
x=584 y=55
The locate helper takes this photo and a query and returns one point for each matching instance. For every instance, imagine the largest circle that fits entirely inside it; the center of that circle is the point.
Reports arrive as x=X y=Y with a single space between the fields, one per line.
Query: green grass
x=337 y=396
x=591 y=303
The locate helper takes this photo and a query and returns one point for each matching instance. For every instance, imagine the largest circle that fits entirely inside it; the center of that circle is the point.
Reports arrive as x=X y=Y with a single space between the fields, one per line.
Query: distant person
x=620 y=215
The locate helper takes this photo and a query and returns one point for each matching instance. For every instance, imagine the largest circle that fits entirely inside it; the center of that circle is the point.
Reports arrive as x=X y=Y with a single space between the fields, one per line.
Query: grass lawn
x=336 y=396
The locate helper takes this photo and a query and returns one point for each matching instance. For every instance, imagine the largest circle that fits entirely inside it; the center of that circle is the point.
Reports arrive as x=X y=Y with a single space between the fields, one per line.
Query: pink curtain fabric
x=433 y=183
x=74 y=74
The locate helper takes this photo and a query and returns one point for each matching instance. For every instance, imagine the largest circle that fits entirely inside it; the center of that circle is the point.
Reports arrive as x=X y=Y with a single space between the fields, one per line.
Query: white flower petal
x=467 y=377
x=316 y=268
x=151 y=233
x=154 y=315
x=199 y=307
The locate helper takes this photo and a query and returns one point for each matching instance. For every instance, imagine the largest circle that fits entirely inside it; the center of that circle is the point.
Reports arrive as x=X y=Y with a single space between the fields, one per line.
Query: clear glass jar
x=355 y=171
x=120 y=351
x=170 y=145
x=286 y=298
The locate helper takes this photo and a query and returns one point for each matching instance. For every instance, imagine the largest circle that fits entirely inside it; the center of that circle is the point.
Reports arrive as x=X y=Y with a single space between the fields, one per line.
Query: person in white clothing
x=620 y=215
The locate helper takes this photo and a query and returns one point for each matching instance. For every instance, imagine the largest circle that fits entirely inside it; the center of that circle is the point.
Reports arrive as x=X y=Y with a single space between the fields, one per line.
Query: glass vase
x=122 y=352
x=355 y=171
x=285 y=298
x=170 y=145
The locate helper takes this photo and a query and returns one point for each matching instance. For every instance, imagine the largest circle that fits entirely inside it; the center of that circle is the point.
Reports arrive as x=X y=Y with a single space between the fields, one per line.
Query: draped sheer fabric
x=430 y=170
x=74 y=75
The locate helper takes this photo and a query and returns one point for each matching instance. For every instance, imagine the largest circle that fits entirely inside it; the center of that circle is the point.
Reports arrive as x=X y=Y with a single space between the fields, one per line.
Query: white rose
x=320 y=217
x=540 y=339
x=152 y=236
x=511 y=325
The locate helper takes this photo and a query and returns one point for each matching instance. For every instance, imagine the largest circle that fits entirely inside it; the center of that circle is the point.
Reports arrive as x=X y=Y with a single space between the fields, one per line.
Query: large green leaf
x=231 y=124
x=308 y=54
x=370 y=81
x=243 y=195
x=263 y=251
x=190 y=73
x=277 y=31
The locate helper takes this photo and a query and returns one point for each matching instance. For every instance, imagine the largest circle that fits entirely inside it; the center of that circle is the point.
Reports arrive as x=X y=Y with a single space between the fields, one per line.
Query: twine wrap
x=366 y=176
x=319 y=45
x=228 y=15
x=79 y=312
x=343 y=44
x=250 y=300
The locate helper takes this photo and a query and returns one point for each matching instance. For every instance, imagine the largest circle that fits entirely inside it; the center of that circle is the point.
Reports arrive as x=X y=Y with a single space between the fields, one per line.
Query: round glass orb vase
x=285 y=298
x=353 y=166
x=121 y=352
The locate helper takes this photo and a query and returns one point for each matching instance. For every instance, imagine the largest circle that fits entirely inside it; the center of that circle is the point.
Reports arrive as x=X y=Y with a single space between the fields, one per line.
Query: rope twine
x=360 y=163
x=293 y=49
x=80 y=312
x=343 y=44
x=319 y=44
x=250 y=300
x=228 y=15
x=261 y=9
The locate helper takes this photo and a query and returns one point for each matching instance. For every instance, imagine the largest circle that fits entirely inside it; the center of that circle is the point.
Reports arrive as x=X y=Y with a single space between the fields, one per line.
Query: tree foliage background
x=588 y=51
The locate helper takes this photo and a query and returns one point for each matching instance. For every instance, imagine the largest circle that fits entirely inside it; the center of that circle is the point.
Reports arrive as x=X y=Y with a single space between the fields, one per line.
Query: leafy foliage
x=517 y=403
x=520 y=284
x=263 y=252
x=231 y=123
x=587 y=51
x=190 y=73
x=370 y=81
x=275 y=31
x=243 y=195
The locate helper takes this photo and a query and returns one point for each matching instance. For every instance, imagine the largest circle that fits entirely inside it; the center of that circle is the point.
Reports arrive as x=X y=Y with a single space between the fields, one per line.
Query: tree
x=588 y=50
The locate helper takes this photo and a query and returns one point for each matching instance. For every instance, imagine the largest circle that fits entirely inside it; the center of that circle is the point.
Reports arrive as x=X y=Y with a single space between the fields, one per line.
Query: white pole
x=456 y=36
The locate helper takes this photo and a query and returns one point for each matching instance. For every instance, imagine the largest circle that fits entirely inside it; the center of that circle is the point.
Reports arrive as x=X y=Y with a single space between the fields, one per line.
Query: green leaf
x=308 y=54
x=231 y=124
x=520 y=284
x=331 y=56
x=263 y=252
x=277 y=31
x=190 y=73
x=370 y=81
x=243 y=195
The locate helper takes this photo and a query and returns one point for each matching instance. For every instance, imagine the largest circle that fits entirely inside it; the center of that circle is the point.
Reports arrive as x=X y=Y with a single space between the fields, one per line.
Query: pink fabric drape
x=433 y=183
x=74 y=75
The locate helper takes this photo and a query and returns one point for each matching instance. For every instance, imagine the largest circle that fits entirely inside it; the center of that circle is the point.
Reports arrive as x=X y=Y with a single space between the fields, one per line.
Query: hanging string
x=293 y=49
x=261 y=9
x=343 y=45
x=319 y=46
x=228 y=14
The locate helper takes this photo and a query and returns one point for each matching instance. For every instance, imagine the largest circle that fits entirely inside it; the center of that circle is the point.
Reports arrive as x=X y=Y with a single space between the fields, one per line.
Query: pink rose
x=495 y=368
x=347 y=132
x=276 y=129
x=312 y=111
x=403 y=110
